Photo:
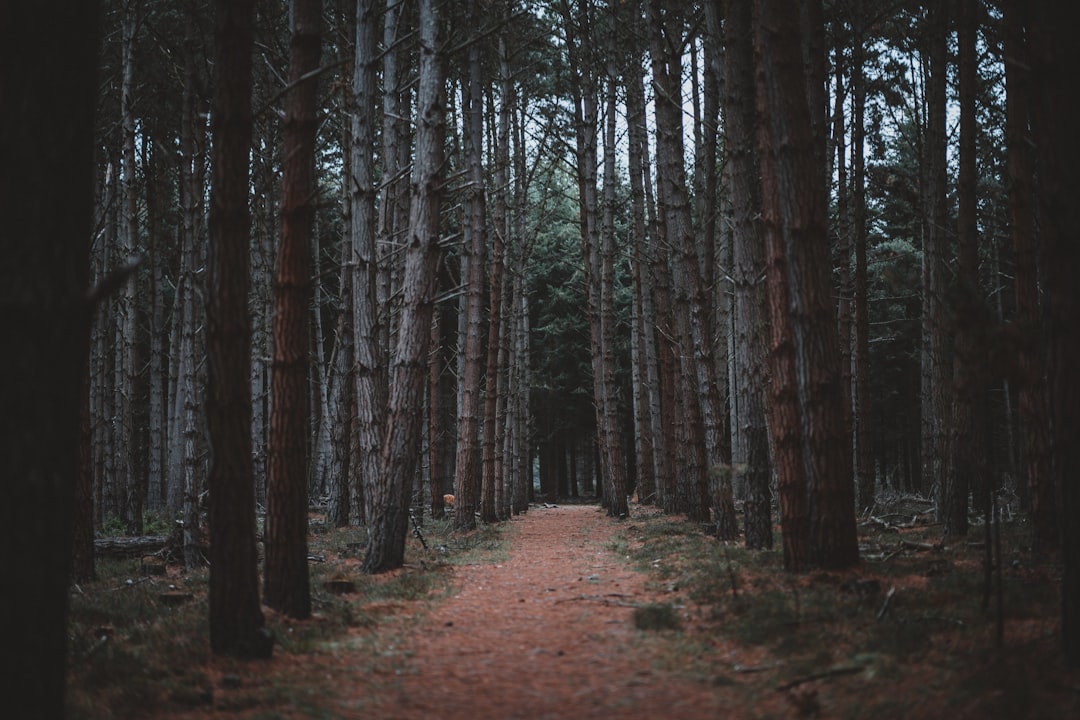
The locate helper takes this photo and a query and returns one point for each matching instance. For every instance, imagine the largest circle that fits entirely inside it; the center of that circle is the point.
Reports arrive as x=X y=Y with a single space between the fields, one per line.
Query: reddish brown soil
x=548 y=633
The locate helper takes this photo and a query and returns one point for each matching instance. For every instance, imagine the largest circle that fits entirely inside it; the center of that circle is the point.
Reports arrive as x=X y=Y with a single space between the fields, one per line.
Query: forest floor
x=565 y=613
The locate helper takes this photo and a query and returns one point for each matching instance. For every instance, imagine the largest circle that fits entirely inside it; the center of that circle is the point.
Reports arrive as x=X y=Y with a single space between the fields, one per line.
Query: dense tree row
x=767 y=257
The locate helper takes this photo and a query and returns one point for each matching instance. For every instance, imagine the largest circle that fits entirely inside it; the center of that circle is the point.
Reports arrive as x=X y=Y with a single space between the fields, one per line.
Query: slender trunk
x=863 y=415
x=286 y=577
x=749 y=312
x=1033 y=400
x=370 y=369
x=392 y=490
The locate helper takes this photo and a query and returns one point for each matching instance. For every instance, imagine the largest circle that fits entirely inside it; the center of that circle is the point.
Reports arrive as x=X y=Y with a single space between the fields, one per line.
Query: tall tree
x=236 y=619
x=935 y=376
x=749 y=382
x=864 y=465
x=287 y=586
x=389 y=523
x=370 y=369
x=1033 y=400
x=46 y=173
x=966 y=458
x=794 y=208
x=469 y=492
x=1055 y=59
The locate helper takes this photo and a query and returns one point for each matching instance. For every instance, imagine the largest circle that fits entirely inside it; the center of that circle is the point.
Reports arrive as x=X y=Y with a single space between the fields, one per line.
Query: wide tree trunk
x=794 y=201
x=286 y=578
x=46 y=202
x=1055 y=59
x=236 y=619
x=389 y=523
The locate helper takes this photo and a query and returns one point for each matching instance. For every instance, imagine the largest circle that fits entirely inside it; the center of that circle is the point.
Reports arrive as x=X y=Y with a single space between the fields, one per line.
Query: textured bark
x=46 y=202
x=649 y=480
x=370 y=367
x=749 y=311
x=236 y=619
x=794 y=201
x=1033 y=402
x=467 y=481
x=389 y=523
x=286 y=578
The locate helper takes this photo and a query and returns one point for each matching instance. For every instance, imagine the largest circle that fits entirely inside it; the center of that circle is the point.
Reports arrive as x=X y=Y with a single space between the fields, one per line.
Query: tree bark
x=286 y=579
x=750 y=380
x=236 y=619
x=795 y=200
x=370 y=368
x=389 y=523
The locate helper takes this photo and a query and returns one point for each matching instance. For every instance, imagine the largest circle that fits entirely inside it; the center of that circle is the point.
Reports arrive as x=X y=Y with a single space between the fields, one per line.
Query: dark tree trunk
x=287 y=585
x=863 y=415
x=935 y=391
x=236 y=619
x=1033 y=401
x=1055 y=60
x=47 y=87
x=966 y=457
x=794 y=201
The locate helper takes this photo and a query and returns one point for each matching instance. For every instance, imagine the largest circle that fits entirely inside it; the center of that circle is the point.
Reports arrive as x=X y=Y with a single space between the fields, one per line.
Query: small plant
x=662 y=616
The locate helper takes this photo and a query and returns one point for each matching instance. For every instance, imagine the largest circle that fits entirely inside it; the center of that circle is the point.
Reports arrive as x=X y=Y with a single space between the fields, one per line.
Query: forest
x=765 y=266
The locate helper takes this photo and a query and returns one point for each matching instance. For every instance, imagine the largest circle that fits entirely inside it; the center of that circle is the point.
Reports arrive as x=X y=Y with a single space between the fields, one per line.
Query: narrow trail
x=547 y=633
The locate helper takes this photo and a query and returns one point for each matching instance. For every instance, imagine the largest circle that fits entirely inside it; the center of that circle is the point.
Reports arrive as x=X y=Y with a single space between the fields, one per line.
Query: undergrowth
x=139 y=642
x=910 y=631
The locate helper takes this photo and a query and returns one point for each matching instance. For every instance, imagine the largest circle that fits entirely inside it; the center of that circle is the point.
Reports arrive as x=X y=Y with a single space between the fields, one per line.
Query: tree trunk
x=468 y=488
x=749 y=383
x=1055 y=58
x=966 y=458
x=48 y=167
x=370 y=369
x=389 y=523
x=934 y=360
x=794 y=201
x=1033 y=401
x=863 y=415
x=286 y=580
x=236 y=619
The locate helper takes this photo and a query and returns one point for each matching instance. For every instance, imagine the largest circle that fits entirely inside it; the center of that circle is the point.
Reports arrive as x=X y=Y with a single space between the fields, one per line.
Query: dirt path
x=548 y=633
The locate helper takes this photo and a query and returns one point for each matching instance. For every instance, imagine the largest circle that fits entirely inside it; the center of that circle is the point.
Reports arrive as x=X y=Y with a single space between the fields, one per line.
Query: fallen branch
x=831 y=672
x=885 y=605
x=921 y=546
x=737 y=668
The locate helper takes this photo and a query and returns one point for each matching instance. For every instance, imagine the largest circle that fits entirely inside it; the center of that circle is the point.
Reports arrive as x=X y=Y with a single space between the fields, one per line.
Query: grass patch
x=133 y=655
x=905 y=632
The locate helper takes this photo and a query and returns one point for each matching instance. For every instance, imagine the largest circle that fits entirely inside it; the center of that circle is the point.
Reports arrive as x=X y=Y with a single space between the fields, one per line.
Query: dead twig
x=885 y=605
x=831 y=672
